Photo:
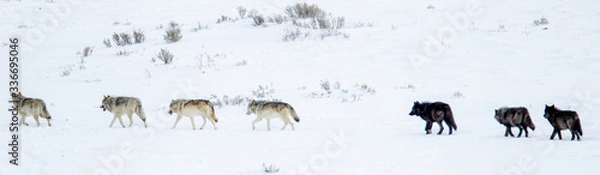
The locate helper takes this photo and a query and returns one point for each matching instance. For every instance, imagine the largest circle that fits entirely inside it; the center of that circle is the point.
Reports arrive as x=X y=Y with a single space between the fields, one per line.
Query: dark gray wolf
x=563 y=119
x=191 y=108
x=123 y=105
x=31 y=107
x=514 y=117
x=269 y=110
x=434 y=112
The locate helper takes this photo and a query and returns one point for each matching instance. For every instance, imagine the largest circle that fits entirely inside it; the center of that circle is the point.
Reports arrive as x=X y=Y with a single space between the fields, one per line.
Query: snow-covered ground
x=494 y=57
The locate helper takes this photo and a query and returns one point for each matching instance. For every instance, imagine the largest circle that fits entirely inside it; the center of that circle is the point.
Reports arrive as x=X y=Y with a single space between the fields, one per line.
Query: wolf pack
x=431 y=112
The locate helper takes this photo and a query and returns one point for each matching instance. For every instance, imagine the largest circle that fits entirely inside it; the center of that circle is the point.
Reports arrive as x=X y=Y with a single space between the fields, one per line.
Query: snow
x=490 y=67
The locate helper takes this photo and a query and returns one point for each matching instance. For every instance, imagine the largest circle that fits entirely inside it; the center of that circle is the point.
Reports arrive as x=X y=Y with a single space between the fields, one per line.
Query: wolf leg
x=284 y=125
x=441 y=128
x=526 y=132
x=553 y=134
x=520 y=131
x=450 y=127
x=23 y=121
x=428 y=126
x=194 y=124
x=213 y=123
x=49 y=124
x=113 y=121
x=258 y=119
x=37 y=120
x=130 y=116
x=121 y=121
x=559 y=134
x=176 y=121
x=268 y=124
x=203 y=124
x=572 y=134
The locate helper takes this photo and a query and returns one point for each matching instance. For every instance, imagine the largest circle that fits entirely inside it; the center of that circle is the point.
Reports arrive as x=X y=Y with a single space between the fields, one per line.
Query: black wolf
x=511 y=117
x=563 y=119
x=434 y=112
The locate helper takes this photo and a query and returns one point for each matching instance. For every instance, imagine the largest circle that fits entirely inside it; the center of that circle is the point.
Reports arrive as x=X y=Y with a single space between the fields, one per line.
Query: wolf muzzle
x=170 y=112
x=103 y=108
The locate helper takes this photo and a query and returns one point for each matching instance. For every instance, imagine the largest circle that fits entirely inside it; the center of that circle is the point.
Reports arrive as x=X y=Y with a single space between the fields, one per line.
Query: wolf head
x=172 y=107
x=416 y=109
x=16 y=97
x=251 y=107
x=549 y=111
x=104 y=101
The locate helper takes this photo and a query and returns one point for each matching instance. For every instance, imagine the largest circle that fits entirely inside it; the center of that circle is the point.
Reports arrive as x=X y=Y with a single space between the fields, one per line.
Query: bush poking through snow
x=541 y=21
x=199 y=27
x=458 y=94
x=107 y=43
x=270 y=169
x=173 y=33
x=139 y=36
x=278 y=19
x=242 y=12
x=124 y=53
x=165 y=56
x=224 y=18
x=259 y=20
x=294 y=34
x=87 y=51
x=335 y=90
x=303 y=11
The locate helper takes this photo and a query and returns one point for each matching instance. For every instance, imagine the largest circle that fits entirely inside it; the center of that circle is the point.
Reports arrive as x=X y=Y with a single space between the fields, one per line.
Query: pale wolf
x=563 y=119
x=191 y=108
x=514 y=117
x=434 y=112
x=123 y=105
x=31 y=107
x=269 y=110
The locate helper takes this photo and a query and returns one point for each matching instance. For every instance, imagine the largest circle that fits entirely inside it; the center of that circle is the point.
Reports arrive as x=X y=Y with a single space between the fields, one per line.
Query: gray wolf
x=434 y=112
x=514 y=117
x=563 y=119
x=31 y=107
x=270 y=110
x=123 y=105
x=191 y=108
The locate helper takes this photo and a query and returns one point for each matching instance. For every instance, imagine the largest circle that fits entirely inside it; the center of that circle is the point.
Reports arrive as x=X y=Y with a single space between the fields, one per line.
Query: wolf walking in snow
x=191 y=108
x=123 y=105
x=434 y=112
x=269 y=110
x=31 y=107
x=514 y=117
x=563 y=119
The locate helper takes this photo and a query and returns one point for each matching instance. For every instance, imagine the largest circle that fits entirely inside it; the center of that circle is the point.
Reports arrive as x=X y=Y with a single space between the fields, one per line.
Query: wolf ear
x=20 y=94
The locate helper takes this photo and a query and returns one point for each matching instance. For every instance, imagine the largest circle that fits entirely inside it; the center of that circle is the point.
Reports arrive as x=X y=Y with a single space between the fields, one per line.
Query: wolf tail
x=45 y=112
x=294 y=115
x=449 y=119
x=530 y=122
x=212 y=113
x=578 y=127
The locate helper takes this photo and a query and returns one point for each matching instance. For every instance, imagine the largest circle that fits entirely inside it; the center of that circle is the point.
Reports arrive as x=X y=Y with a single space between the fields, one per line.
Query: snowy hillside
x=352 y=87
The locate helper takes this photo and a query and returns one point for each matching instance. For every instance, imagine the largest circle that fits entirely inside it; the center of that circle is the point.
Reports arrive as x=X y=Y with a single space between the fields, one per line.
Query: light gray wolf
x=31 y=107
x=123 y=105
x=191 y=108
x=563 y=119
x=270 y=110
x=514 y=117
x=434 y=112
